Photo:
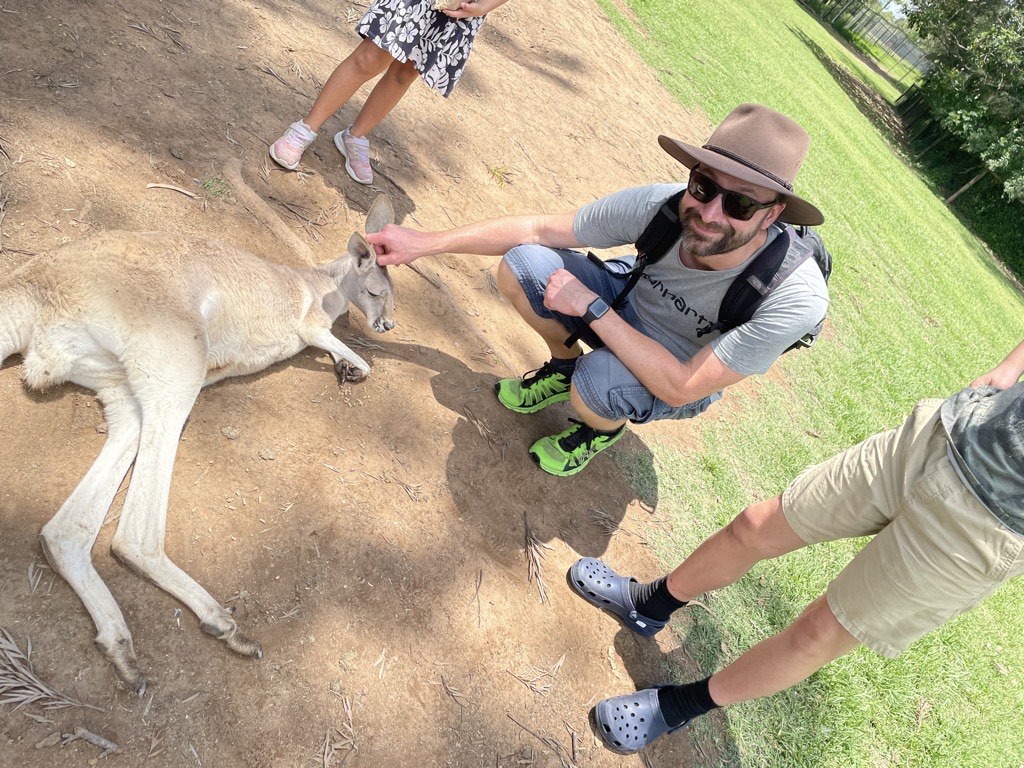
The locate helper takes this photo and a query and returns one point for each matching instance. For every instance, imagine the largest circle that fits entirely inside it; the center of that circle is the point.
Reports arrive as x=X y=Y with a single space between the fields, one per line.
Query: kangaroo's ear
x=380 y=214
x=362 y=252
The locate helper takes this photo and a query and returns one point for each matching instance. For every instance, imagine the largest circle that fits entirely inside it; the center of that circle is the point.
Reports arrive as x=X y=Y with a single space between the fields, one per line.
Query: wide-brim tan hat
x=759 y=146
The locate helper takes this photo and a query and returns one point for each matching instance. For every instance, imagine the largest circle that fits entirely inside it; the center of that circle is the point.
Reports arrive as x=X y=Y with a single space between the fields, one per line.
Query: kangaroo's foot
x=349 y=372
x=122 y=655
x=235 y=640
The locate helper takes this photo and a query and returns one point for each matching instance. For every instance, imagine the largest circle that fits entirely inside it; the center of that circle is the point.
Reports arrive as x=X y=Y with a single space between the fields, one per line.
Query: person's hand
x=397 y=245
x=567 y=295
x=467 y=10
x=1000 y=377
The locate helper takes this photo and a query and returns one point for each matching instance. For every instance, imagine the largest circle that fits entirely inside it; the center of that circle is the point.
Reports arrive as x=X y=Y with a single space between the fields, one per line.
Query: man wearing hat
x=653 y=358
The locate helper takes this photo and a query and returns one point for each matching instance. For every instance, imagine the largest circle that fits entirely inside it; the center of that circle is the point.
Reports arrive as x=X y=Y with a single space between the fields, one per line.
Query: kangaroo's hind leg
x=166 y=394
x=68 y=538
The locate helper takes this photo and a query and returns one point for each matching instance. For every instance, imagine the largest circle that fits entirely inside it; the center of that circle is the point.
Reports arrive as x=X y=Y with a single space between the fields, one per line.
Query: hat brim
x=797 y=211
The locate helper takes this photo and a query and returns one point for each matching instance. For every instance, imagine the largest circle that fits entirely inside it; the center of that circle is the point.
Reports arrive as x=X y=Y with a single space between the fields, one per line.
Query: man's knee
x=762 y=529
x=817 y=632
x=508 y=283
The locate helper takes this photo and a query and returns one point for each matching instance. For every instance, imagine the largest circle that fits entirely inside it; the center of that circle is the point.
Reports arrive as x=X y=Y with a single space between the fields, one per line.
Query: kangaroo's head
x=366 y=284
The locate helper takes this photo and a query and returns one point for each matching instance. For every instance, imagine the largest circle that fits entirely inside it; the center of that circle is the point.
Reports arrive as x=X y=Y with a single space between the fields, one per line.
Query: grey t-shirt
x=985 y=428
x=673 y=301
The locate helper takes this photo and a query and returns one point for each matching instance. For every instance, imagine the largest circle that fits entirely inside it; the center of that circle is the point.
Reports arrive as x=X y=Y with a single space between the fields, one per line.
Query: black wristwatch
x=597 y=309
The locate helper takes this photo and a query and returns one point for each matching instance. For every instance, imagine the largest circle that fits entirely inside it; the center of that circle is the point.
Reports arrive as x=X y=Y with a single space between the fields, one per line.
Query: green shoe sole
x=555 y=470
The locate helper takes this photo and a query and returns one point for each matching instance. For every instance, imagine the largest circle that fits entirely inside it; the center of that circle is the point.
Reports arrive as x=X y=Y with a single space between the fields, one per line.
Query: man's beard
x=698 y=244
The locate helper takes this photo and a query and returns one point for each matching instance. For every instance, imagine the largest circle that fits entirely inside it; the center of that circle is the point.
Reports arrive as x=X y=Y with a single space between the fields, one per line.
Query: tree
x=975 y=87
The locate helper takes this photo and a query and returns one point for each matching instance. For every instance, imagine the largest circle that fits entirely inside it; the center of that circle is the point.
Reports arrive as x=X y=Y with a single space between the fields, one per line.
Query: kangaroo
x=146 y=320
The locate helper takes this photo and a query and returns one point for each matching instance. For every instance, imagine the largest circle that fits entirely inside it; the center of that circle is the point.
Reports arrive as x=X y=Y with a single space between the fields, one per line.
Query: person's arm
x=1007 y=373
x=474 y=8
x=494 y=237
x=674 y=382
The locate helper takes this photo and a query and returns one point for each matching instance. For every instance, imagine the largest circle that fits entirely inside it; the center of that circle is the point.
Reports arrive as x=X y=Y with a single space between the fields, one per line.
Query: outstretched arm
x=494 y=237
x=1007 y=373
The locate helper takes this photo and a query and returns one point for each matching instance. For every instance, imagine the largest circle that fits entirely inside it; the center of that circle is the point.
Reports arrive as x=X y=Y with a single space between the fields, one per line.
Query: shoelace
x=577 y=437
x=294 y=139
x=362 y=149
x=532 y=377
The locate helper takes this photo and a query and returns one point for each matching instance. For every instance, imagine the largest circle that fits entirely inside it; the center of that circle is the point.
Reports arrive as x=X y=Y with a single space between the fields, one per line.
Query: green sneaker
x=535 y=391
x=569 y=452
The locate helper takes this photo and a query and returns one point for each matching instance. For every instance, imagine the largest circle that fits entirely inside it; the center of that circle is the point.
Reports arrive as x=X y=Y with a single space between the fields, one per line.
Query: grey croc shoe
x=599 y=585
x=627 y=724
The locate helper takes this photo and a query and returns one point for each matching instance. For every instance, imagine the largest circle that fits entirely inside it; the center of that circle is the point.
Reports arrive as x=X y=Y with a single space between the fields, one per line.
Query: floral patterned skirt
x=411 y=30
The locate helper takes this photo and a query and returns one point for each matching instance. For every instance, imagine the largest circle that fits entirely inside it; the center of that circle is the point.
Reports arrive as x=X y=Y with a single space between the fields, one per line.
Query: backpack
x=791 y=247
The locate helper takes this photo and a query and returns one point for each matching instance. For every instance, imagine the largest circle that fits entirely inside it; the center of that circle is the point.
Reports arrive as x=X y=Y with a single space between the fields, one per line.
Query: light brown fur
x=146 y=320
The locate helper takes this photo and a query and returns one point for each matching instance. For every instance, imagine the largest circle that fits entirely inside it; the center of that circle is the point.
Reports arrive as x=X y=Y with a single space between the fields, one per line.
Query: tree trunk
x=965 y=187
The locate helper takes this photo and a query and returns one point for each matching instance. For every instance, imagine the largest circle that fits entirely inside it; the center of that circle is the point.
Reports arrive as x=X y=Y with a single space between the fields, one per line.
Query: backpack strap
x=763 y=275
x=654 y=242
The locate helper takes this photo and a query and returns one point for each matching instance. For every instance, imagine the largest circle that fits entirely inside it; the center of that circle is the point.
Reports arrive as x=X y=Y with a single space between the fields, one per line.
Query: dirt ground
x=372 y=536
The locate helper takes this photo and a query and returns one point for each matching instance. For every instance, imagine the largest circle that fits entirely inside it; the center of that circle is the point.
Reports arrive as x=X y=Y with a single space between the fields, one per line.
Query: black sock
x=562 y=365
x=653 y=599
x=680 y=703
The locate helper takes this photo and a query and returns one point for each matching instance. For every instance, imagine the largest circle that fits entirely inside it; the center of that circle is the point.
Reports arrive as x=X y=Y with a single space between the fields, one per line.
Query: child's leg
x=384 y=96
x=780 y=662
x=365 y=62
x=759 y=532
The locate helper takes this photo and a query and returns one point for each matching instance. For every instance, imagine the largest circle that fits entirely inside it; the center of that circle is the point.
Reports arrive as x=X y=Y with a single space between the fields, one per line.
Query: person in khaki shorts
x=943 y=496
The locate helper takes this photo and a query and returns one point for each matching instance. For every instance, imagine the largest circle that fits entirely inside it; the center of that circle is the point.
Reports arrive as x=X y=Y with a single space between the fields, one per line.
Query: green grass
x=918 y=310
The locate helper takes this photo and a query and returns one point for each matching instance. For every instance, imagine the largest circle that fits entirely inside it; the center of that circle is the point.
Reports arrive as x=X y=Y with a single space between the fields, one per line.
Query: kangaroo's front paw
x=348 y=372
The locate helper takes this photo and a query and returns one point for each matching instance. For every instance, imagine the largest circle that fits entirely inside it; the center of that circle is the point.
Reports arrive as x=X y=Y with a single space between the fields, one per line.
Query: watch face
x=596 y=309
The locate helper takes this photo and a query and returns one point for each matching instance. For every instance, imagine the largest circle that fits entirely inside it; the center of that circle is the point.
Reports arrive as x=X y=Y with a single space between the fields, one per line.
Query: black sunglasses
x=734 y=205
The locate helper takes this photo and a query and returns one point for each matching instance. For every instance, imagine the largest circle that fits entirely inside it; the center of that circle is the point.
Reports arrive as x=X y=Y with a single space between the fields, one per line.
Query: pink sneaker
x=357 y=155
x=287 y=151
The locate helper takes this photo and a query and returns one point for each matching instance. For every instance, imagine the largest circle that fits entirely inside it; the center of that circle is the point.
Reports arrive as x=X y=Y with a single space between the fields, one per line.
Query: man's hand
x=398 y=245
x=1006 y=374
x=567 y=295
x=998 y=378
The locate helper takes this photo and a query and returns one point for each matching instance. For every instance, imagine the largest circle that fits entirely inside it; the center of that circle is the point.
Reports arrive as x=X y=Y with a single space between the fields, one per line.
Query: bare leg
x=68 y=538
x=385 y=95
x=805 y=646
x=759 y=532
x=551 y=331
x=364 y=63
x=590 y=418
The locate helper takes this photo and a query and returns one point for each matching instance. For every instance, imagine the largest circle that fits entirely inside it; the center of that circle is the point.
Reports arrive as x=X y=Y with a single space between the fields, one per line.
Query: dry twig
x=84 y=734
x=564 y=757
x=539 y=680
x=535 y=560
x=342 y=739
x=19 y=684
x=382 y=661
x=604 y=521
x=476 y=596
x=185 y=192
x=455 y=693
x=35 y=574
x=144 y=29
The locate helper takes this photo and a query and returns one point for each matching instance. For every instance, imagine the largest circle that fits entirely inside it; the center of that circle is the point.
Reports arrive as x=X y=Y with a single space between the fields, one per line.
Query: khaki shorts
x=937 y=551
